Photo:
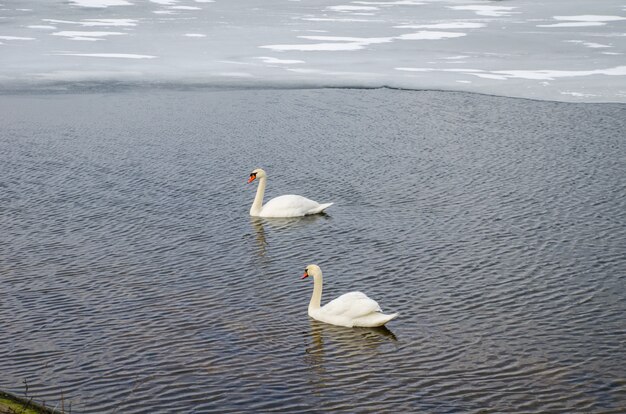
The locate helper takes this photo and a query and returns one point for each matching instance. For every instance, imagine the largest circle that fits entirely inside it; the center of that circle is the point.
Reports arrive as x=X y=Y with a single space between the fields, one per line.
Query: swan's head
x=257 y=173
x=311 y=270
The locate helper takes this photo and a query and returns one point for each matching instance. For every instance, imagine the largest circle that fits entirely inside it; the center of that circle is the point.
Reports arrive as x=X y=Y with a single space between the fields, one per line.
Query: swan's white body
x=283 y=206
x=352 y=309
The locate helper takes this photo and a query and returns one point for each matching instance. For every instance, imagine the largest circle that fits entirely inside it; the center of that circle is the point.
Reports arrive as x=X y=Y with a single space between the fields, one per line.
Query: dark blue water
x=133 y=279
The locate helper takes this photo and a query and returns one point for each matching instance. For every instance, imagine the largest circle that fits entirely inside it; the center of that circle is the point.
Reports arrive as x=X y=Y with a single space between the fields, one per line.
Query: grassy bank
x=11 y=404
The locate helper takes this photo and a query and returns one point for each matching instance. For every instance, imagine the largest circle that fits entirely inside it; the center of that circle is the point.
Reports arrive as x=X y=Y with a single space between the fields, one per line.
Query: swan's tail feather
x=390 y=317
x=374 y=320
x=321 y=208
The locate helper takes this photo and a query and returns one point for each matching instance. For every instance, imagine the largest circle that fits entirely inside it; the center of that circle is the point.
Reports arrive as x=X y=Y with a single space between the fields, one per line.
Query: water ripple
x=134 y=279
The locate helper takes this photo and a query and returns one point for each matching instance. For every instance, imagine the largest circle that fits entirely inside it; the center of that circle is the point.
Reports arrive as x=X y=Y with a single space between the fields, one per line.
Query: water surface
x=133 y=279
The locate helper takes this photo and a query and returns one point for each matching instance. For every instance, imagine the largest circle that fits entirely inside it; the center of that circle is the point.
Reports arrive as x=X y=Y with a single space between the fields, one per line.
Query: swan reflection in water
x=278 y=225
x=257 y=224
x=335 y=346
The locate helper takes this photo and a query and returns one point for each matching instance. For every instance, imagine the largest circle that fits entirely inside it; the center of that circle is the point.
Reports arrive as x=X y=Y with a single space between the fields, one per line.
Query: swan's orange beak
x=304 y=276
x=252 y=177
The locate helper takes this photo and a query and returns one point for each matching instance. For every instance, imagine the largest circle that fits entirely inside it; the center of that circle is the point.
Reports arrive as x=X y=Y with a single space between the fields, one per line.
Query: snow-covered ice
x=558 y=51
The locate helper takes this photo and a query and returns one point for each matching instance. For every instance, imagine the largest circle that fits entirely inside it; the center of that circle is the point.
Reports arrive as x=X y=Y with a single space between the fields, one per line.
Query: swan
x=283 y=206
x=350 y=310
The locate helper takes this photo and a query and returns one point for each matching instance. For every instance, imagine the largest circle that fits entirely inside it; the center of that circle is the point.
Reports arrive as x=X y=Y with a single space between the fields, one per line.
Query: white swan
x=283 y=206
x=350 y=310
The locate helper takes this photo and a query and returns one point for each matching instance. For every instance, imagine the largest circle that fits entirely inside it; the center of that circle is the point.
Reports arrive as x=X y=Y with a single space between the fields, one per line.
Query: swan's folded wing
x=288 y=205
x=351 y=305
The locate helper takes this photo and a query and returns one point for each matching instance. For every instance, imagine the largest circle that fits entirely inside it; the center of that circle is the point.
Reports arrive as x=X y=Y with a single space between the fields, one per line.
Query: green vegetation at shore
x=11 y=404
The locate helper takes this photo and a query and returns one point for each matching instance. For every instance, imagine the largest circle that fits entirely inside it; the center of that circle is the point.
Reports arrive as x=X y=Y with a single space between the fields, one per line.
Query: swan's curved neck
x=257 y=205
x=316 y=299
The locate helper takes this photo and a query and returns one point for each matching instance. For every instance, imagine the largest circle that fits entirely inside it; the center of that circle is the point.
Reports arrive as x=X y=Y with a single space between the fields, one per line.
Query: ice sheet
x=560 y=50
